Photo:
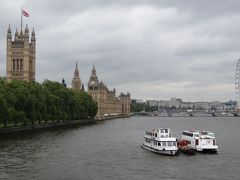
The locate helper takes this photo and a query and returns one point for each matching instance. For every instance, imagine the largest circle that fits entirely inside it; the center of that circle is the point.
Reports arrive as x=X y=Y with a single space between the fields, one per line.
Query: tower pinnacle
x=93 y=80
x=93 y=69
x=9 y=32
x=76 y=81
x=26 y=29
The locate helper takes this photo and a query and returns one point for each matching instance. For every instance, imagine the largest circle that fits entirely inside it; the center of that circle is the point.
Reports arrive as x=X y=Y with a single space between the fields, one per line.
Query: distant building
x=108 y=103
x=202 y=105
x=21 y=55
x=76 y=81
x=138 y=101
x=164 y=103
x=152 y=102
x=217 y=106
x=174 y=102
x=187 y=105
x=230 y=105
x=180 y=104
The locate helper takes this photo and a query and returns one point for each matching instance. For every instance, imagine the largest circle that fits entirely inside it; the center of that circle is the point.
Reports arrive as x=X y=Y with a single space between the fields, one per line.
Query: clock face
x=92 y=82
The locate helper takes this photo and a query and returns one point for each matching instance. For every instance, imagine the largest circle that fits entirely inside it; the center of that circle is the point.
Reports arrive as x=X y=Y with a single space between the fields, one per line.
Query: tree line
x=138 y=107
x=25 y=103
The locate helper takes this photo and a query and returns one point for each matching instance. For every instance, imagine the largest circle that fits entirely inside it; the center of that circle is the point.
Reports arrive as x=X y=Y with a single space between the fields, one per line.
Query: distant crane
x=237 y=85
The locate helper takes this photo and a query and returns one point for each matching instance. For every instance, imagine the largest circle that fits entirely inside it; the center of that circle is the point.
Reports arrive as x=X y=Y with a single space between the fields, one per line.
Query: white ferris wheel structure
x=237 y=85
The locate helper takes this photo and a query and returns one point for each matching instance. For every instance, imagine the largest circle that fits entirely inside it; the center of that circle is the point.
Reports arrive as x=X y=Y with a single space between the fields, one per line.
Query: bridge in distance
x=185 y=113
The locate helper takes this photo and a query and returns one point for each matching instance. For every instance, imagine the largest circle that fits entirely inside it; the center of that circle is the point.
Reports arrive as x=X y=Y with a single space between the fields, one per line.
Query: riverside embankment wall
x=45 y=126
x=55 y=124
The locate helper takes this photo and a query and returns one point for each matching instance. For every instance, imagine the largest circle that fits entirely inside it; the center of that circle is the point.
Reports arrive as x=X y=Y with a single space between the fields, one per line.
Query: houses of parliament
x=108 y=103
x=21 y=62
x=21 y=55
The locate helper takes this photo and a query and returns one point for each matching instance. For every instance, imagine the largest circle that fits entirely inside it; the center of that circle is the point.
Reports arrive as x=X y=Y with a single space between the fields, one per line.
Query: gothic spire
x=93 y=69
x=33 y=35
x=76 y=81
x=9 y=29
x=76 y=72
x=9 y=32
x=26 y=29
x=93 y=80
x=33 y=32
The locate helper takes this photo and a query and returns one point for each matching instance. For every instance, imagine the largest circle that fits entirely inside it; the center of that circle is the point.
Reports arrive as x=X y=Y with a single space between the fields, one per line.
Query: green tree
x=3 y=111
x=27 y=103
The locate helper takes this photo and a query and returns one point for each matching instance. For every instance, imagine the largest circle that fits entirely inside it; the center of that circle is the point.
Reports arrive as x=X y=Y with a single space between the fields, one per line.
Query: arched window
x=17 y=64
x=21 y=64
x=14 y=65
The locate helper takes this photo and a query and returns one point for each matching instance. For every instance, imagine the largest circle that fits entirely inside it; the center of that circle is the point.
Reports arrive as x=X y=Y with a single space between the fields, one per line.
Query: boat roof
x=155 y=129
x=197 y=131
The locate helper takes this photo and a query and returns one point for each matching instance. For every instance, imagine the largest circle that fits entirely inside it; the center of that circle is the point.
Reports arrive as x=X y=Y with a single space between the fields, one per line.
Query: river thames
x=112 y=150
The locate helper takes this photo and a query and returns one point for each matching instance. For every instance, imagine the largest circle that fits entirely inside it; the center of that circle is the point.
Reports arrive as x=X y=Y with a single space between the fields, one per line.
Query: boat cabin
x=159 y=133
x=201 y=140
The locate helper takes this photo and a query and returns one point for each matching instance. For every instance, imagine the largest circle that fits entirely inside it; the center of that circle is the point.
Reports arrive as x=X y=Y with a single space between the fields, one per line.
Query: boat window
x=151 y=133
x=159 y=144
x=147 y=140
x=148 y=133
x=166 y=130
x=196 y=135
x=169 y=143
x=174 y=143
x=164 y=143
x=162 y=130
x=155 y=143
x=187 y=134
x=211 y=134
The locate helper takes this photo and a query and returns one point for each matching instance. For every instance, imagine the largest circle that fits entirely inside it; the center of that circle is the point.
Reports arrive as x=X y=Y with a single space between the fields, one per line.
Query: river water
x=111 y=150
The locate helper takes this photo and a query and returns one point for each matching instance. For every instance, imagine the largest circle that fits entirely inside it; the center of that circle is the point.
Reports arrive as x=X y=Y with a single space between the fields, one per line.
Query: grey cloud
x=151 y=48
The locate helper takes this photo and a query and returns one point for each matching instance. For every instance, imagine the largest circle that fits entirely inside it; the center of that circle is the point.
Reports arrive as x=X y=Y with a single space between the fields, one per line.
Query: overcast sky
x=154 y=49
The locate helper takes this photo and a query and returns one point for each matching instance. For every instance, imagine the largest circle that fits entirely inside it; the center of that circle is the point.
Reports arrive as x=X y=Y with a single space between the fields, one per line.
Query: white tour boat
x=160 y=141
x=203 y=141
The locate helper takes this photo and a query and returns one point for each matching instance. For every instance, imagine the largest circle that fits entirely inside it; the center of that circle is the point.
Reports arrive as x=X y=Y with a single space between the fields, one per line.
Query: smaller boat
x=202 y=141
x=184 y=147
x=160 y=141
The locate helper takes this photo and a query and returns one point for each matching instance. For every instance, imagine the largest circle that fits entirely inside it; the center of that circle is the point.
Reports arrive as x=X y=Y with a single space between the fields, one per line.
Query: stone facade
x=108 y=103
x=76 y=81
x=21 y=55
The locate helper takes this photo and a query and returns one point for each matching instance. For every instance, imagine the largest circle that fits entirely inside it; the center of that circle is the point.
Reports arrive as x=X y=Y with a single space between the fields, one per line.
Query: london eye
x=237 y=84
